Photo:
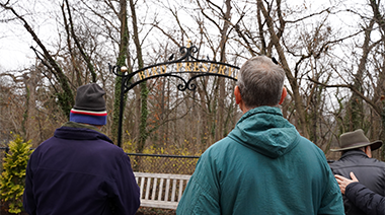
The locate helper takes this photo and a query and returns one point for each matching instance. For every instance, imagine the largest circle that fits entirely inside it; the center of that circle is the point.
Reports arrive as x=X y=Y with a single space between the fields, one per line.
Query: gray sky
x=15 y=41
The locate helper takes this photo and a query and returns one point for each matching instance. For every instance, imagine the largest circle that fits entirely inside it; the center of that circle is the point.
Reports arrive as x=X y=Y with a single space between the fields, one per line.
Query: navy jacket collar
x=352 y=153
x=80 y=134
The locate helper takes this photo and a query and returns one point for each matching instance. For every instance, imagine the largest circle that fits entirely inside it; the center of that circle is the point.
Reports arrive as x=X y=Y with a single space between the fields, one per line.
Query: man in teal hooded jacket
x=263 y=166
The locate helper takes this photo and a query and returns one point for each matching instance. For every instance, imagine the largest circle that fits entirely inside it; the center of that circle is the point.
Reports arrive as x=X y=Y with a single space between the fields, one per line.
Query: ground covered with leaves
x=154 y=211
x=141 y=211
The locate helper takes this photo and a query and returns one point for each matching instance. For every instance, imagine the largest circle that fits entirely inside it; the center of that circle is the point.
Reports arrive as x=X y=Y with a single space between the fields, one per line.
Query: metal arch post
x=120 y=127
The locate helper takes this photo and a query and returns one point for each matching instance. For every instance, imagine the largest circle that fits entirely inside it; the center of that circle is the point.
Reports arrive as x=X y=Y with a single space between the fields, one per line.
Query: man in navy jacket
x=79 y=170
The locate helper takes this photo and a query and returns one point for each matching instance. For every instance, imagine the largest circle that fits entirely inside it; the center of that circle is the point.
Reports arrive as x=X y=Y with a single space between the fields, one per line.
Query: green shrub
x=12 y=178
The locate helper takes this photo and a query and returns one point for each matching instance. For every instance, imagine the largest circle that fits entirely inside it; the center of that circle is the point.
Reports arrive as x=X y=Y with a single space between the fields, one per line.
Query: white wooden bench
x=161 y=190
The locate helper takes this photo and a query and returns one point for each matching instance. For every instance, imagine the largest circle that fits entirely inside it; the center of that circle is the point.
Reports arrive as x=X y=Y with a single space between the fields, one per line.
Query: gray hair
x=260 y=82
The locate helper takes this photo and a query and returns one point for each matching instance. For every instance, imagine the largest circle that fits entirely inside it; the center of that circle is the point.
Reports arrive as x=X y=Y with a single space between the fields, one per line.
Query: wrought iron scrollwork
x=188 y=85
x=187 y=53
x=116 y=70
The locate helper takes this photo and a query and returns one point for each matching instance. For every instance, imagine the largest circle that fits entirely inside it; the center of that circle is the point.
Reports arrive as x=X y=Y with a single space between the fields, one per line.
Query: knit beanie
x=90 y=107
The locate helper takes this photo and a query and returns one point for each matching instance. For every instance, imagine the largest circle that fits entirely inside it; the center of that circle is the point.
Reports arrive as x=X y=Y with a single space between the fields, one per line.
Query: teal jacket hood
x=272 y=136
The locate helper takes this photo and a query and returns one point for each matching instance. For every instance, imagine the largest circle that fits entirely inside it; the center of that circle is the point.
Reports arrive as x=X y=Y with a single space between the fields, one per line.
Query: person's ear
x=237 y=94
x=283 y=96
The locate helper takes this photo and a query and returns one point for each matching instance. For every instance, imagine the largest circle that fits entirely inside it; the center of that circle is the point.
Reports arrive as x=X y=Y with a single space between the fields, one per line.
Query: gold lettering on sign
x=204 y=65
x=187 y=67
x=212 y=67
x=196 y=67
x=142 y=75
x=221 y=69
x=231 y=70
x=178 y=66
x=154 y=72
x=163 y=69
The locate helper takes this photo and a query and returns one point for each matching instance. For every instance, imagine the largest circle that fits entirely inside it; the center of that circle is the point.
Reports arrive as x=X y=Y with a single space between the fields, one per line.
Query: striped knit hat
x=90 y=107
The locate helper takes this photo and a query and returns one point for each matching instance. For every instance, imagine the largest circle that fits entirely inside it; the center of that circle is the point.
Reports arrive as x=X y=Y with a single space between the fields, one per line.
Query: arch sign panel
x=186 y=69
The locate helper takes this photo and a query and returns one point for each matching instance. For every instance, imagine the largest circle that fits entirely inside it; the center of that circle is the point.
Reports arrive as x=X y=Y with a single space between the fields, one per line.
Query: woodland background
x=332 y=53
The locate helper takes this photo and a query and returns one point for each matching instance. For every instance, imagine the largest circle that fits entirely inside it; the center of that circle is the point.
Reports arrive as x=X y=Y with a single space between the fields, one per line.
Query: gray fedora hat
x=356 y=139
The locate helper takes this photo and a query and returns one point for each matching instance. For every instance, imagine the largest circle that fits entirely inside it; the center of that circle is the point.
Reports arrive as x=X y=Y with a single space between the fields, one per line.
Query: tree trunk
x=219 y=134
x=143 y=134
x=121 y=61
x=299 y=106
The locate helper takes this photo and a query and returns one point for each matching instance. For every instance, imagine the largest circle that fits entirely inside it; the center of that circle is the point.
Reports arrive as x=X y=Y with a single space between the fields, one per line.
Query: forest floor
x=141 y=211
x=154 y=211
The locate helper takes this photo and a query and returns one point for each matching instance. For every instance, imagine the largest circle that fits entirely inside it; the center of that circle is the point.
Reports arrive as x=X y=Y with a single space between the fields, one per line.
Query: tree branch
x=352 y=88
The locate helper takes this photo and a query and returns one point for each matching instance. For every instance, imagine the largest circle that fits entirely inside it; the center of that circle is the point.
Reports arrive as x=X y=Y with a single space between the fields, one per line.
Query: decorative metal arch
x=186 y=64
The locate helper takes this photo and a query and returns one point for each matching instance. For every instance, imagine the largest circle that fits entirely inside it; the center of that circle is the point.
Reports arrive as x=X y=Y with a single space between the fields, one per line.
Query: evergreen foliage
x=12 y=179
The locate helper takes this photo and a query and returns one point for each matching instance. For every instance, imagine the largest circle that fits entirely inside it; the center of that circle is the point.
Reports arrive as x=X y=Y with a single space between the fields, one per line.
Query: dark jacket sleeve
x=365 y=199
x=28 y=197
x=126 y=190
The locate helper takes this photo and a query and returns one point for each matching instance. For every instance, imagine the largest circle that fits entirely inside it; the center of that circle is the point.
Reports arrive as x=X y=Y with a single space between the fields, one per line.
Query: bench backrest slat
x=173 y=190
x=141 y=186
x=160 y=189
x=154 y=188
x=148 y=190
x=180 y=190
x=167 y=189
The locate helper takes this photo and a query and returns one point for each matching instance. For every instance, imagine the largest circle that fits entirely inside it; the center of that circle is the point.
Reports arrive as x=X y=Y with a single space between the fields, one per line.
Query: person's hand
x=344 y=182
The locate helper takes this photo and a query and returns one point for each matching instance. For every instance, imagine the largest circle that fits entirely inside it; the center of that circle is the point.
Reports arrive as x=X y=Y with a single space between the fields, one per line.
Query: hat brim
x=376 y=144
x=373 y=145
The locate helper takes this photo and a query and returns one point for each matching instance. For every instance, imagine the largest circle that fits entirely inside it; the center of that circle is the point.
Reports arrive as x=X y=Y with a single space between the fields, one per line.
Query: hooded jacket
x=369 y=171
x=80 y=171
x=262 y=167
